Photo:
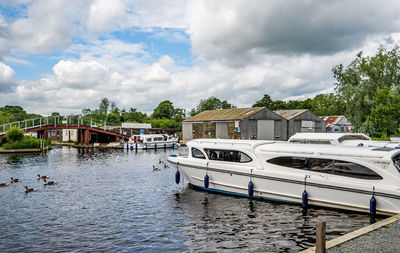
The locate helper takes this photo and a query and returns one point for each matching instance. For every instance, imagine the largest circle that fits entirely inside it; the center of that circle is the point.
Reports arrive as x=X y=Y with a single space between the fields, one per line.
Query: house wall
x=249 y=125
x=295 y=124
x=187 y=131
x=69 y=135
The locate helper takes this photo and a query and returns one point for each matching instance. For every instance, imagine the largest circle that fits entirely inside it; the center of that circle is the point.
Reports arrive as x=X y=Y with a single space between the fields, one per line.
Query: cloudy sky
x=64 y=55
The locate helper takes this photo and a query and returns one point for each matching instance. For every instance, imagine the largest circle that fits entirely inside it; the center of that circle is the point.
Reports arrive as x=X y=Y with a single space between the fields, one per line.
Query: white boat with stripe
x=344 y=177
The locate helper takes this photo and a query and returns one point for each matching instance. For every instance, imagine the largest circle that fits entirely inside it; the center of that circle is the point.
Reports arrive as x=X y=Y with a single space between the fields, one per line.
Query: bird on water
x=14 y=180
x=29 y=189
x=41 y=177
x=155 y=168
x=4 y=184
x=48 y=182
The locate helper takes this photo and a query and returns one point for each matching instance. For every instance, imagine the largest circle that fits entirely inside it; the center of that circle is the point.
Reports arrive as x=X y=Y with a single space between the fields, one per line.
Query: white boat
x=151 y=141
x=347 y=139
x=343 y=177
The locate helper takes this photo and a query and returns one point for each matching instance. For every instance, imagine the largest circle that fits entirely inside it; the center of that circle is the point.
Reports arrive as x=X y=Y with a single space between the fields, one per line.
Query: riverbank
x=378 y=237
x=23 y=150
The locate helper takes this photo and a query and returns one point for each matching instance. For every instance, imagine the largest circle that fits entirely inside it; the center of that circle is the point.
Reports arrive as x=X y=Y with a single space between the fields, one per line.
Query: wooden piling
x=320 y=245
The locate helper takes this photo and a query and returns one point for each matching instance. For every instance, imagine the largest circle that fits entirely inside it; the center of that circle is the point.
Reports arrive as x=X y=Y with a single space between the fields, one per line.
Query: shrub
x=14 y=134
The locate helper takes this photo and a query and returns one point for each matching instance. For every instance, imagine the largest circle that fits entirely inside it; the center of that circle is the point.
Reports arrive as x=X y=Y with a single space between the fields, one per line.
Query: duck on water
x=343 y=177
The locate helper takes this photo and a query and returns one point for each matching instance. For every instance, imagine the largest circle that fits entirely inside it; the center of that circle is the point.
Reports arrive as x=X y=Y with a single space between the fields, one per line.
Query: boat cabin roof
x=227 y=143
x=290 y=149
x=327 y=137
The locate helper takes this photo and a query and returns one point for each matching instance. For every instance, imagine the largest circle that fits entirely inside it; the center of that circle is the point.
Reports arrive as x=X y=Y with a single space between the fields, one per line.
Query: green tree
x=266 y=101
x=165 y=110
x=359 y=83
x=113 y=119
x=211 y=103
x=14 y=134
x=327 y=104
x=103 y=107
x=134 y=116
x=6 y=117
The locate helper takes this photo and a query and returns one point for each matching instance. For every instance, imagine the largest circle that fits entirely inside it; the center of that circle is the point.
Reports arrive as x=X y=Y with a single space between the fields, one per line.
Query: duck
x=159 y=161
x=14 y=180
x=29 y=189
x=4 y=184
x=165 y=166
x=155 y=168
x=41 y=177
x=48 y=182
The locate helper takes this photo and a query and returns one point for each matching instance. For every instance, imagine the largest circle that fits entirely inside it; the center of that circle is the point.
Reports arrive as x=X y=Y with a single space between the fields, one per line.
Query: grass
x=26 y=142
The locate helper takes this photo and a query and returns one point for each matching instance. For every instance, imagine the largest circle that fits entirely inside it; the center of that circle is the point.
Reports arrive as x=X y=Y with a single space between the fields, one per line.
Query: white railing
x=52 y=120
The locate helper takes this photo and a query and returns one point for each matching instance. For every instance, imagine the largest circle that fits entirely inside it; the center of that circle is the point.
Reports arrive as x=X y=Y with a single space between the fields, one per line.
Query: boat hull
x=160 y=145
x=290 y=188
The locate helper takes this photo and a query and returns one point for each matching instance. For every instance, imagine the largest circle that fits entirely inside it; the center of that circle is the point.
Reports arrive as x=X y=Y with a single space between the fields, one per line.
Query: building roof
x=332 y=120
x=224 y=114
x=289 y=114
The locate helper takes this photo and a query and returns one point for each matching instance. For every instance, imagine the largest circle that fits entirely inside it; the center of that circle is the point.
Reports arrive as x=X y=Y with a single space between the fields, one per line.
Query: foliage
x=165 y=110
x=364 y=85
x=14 y=134
x=113 y=119
x=165 y=123
x=320 y=105
x=11 y=113
x=26 y=142
x=133 y=116
x=211 y=103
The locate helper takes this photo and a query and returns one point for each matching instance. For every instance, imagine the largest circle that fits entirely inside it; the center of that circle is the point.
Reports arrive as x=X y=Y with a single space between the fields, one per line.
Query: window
x=196 y=153
x=396 y=161
x=227 y=155
x=158 y=139
x=329 y=166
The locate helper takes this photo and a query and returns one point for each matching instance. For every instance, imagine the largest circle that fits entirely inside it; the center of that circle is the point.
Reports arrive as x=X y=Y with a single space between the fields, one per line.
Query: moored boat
x=151 y=141
x=343 y=177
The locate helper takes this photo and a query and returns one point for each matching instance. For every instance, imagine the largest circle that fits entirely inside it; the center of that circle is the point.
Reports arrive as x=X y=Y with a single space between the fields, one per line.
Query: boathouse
x=302 y=121
x=257 y=123
x=337 y=124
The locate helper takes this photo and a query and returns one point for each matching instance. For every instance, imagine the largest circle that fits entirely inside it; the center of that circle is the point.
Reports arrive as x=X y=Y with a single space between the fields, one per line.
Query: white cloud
x=106 y=15
x=6 y=77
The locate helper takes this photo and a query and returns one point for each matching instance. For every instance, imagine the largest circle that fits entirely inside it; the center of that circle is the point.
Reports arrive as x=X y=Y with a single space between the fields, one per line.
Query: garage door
x=265 y=129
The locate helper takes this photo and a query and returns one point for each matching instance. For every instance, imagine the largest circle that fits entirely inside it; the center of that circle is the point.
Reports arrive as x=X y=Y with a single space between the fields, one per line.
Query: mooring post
x=320 y=245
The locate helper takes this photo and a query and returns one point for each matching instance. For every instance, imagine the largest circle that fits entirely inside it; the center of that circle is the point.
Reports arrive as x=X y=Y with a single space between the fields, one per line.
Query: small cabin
x=337 y=124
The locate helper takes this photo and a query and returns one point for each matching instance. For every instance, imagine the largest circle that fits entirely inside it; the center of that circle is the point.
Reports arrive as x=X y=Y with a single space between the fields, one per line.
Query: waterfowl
x=165 y=166
x=159 y=161
x=29 y=189
x=14 y=180
x=4 y=184
x=155 y=168
x=48 y=182
x=41 y=177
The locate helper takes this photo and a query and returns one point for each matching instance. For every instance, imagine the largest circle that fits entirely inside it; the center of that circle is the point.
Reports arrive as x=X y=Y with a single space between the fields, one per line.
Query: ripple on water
x=113 y=201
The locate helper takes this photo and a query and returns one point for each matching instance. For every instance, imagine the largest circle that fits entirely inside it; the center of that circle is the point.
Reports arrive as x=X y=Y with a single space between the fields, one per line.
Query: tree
x=211 y=103
x=359 y=83
x=113 y=119
x=103 y=107
x=165 y=110
x=6 y=117
x=327 y=104
x=266 y=101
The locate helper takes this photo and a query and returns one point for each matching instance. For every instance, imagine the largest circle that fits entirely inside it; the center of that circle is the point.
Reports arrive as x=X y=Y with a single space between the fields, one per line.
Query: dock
x=382 y=236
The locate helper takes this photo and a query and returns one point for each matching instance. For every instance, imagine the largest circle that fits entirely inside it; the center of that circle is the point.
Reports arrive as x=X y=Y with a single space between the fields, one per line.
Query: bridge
x=88 y=131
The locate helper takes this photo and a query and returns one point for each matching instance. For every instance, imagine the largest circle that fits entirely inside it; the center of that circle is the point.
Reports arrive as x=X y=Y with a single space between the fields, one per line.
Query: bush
x=14 y=134
x=26 y=142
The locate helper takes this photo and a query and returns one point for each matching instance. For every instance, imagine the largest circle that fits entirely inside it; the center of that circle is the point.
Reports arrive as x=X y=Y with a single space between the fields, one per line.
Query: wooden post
x=320 y=245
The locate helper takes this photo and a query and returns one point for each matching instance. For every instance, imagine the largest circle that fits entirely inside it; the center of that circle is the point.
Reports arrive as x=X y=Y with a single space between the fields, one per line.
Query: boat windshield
x=396 y=161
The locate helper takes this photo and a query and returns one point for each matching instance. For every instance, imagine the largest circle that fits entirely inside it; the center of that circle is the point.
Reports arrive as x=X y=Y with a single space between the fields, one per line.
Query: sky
x=65 y=55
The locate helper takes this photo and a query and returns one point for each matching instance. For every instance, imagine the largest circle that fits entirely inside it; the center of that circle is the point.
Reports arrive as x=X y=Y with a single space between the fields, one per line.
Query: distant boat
x=334 y=176
x=151 y=141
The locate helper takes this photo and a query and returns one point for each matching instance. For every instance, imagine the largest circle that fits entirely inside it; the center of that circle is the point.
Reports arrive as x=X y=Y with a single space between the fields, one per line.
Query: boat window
x=336 y=167
x=227 y=155
x=349 y=137
x=158 y=139
x=304 y=141
x=148 y=139
x=196 y=153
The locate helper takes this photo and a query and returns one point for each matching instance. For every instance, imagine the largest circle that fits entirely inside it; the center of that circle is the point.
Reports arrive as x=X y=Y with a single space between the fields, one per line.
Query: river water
x=112 y=201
